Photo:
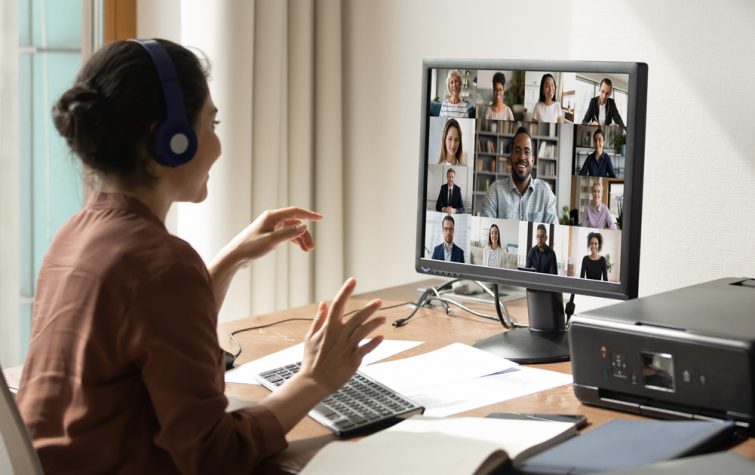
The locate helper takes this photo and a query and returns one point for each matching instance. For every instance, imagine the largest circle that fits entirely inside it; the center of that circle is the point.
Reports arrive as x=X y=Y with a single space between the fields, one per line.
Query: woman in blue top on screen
x=493 y=254
x=498 y=110
x=454 y=106
x=548 y=109
x=599 y=162
x=451 y=151
x=594 y=265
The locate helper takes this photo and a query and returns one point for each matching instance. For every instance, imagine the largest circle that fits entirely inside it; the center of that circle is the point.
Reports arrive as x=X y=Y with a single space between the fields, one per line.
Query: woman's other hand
x=331 y=346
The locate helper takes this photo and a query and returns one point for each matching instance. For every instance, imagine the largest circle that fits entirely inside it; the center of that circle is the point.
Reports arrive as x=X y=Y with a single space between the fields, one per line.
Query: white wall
x=221 y=34
x=698 y=202
x=385 y=43
x=698 y=216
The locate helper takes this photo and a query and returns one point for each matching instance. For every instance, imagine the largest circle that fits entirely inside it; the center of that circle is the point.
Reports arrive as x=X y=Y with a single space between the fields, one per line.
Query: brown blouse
x=124 y=372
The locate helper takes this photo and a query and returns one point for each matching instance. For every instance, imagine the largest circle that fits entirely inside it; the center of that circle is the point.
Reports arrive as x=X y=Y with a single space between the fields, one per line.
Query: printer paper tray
x=594 y=396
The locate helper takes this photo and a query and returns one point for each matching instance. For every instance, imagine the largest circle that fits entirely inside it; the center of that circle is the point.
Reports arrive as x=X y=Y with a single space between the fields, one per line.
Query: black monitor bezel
x=628 y=284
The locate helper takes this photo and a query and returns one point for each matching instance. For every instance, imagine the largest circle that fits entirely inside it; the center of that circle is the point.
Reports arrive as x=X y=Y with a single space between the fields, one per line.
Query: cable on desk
x=509 y=324
x=431 y=293
x=233 y=334
x=438 y=294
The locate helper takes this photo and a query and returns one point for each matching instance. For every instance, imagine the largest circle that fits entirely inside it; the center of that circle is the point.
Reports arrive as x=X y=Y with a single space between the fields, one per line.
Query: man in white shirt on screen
x=519 y=196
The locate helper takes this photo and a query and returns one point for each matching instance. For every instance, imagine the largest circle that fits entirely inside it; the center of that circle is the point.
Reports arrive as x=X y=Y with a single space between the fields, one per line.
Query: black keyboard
x=361 y=405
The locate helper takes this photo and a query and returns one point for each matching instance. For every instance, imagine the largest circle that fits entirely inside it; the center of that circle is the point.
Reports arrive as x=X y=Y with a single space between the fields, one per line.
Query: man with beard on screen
x=519 y=196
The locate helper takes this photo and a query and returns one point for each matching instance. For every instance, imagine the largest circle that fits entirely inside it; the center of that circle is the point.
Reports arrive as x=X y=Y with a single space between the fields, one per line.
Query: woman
x=454 y=106
x=597 y=215
x=594 y=265
x=451 y=150
x=124 y=351
x=548 y=109
x=598 y=163
x=498 y=110
x=493 y=254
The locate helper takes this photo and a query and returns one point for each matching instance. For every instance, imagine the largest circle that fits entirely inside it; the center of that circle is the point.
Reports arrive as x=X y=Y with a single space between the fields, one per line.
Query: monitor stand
x=546 y=339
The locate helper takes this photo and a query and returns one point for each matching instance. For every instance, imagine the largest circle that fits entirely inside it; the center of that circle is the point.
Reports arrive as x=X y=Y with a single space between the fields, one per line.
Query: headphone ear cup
x=174 y=143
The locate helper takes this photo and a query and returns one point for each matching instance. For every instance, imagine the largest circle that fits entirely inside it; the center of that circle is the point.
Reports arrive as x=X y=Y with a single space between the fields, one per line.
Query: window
x=49 y=57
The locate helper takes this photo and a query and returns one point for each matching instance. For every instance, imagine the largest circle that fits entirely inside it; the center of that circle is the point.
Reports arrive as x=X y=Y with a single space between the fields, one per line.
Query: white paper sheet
x=453 y=398
x=446 y=366
x=245 y=373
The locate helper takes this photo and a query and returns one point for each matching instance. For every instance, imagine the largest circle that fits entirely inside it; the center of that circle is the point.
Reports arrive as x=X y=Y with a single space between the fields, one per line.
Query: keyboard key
x=362 y=403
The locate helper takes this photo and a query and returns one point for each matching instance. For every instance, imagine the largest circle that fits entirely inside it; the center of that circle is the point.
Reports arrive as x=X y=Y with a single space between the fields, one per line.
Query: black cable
x=232 y=356
x=569 y=309
x=425 y=299
x=498 y=308
x=433 y=294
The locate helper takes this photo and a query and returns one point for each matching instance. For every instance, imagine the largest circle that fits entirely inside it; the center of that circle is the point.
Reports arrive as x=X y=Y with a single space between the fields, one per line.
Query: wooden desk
x=433 y=327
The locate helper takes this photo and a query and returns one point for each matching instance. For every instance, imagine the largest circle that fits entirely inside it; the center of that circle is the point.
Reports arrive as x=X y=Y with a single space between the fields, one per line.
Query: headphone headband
x=174 y=140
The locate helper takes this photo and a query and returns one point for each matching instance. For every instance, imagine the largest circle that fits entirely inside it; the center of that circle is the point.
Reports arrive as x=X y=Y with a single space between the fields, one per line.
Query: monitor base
x=546 y=339
x=528 y=347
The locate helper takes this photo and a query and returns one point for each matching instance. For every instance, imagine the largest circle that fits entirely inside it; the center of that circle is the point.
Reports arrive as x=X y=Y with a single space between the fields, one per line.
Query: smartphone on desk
x=579 y=420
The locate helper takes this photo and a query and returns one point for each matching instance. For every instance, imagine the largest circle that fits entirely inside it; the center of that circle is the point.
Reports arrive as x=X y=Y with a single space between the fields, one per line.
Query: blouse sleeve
x=173 y=340
x=536 y=113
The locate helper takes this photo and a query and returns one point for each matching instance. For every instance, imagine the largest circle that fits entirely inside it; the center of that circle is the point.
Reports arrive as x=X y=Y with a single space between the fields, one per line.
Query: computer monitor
x=531 y=174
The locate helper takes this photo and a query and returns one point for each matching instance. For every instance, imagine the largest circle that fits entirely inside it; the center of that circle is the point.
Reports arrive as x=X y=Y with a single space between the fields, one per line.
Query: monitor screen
x=531 y=174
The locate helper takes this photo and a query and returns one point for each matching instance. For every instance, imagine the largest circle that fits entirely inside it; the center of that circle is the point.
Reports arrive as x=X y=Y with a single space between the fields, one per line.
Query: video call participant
x=451 y=149
x=454 y=106
x=498 y=110
x=548 y=109
x=447 y=250
x=493 y=254
x=594 y=265
x=124 y=350
x=598 y=163
x=602 y=109
x=541 y=257
x=449 y=199
x=597 y=215
x=519 y=196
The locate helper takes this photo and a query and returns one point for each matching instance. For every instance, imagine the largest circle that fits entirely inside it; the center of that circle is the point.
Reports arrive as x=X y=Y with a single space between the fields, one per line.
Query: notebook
x=625 y=444
x=428 y=445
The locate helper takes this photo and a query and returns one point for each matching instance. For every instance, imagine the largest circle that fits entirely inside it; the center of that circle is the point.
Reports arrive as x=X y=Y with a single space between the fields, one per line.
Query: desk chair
x=17 y=444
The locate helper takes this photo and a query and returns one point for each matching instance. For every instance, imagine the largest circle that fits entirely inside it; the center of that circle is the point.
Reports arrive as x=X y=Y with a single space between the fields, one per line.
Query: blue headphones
x=174 y=140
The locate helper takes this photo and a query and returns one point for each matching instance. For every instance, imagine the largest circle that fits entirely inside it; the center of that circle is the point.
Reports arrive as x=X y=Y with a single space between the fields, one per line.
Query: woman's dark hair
x=117 y=99
x=490 y=241
x=499 y=78
x=542 y=85
x=597 y=236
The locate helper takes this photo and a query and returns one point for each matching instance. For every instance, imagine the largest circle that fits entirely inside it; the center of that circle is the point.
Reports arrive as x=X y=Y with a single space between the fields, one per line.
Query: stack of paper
x=459 y=377
x=446 y=381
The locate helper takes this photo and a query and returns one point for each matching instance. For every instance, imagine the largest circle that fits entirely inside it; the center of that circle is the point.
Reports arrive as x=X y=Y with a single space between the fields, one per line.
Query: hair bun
x=86 y=98
x=80 y=116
